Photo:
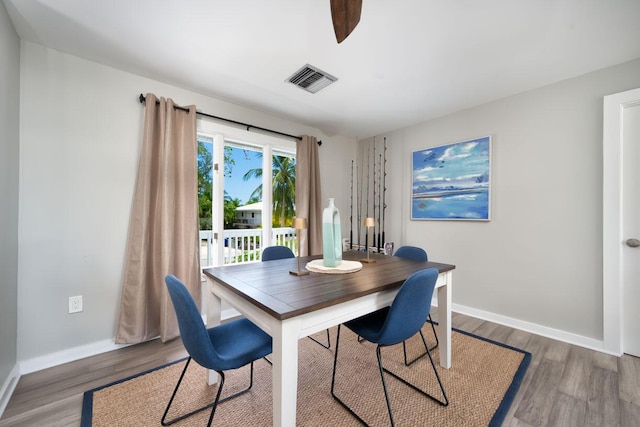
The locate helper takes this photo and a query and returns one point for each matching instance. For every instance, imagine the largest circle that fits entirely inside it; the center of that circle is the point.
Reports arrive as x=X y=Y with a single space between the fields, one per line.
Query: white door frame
x=221 y=133
x=613 y=239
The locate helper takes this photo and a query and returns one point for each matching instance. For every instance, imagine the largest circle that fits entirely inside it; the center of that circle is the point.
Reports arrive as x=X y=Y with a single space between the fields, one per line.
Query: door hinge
x=215 y=236
x=215 y=167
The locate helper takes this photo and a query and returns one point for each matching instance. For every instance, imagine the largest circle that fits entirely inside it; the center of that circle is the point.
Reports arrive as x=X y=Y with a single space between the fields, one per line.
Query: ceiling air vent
x=311 y=79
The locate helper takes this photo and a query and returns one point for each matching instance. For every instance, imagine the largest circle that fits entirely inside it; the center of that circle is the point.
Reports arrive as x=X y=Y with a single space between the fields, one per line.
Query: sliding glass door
x=246 y=194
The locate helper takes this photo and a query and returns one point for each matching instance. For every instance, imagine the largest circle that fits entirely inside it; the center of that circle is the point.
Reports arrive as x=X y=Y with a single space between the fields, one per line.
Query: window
x=232 y=200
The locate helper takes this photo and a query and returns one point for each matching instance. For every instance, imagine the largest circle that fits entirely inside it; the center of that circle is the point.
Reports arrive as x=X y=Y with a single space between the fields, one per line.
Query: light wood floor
x=564 y=386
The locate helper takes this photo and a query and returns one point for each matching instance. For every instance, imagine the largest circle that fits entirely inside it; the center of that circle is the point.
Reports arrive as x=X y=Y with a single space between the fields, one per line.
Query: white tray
x=317 y=266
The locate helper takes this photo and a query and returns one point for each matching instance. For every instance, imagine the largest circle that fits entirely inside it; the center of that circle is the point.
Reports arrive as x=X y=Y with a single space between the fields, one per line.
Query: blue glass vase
x=331 y=236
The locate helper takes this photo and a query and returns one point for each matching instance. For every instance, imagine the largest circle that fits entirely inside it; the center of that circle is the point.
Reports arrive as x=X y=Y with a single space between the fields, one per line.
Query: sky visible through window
x=235 y=186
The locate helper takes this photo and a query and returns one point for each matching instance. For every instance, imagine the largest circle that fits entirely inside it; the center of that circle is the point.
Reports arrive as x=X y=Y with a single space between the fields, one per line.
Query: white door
x=621 y=239
x=631 y=230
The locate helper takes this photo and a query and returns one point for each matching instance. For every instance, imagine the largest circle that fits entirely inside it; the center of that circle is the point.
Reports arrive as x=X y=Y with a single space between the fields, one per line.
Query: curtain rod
x=142 y=100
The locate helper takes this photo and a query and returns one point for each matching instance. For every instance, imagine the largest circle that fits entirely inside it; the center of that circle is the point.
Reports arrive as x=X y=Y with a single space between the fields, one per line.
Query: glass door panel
x=239 y=183
x=205 y=198
x=243 y=208
x=283 y=199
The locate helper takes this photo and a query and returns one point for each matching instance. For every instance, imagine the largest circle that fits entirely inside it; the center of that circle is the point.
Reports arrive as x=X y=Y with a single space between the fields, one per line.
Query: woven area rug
x=481 y=385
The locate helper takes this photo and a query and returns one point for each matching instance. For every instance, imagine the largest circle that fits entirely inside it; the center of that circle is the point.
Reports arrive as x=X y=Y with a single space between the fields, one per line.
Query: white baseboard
x=76 y=353
x=7 y=388
x=69 y=355
x=568 y=337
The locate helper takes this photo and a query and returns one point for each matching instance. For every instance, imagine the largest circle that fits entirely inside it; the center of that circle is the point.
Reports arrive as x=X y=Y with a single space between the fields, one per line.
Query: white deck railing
x=243 y=245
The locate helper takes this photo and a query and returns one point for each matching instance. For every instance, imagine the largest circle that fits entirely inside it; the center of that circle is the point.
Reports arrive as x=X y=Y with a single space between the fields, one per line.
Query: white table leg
x=285 y=373
x=444 y=321
x=214 y=317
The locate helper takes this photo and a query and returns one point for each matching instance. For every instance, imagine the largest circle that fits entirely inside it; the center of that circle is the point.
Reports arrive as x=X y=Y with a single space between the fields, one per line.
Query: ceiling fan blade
x=345 y=15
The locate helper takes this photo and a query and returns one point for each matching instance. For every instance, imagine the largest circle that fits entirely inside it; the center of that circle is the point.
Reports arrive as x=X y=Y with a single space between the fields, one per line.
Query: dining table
x=289 y=306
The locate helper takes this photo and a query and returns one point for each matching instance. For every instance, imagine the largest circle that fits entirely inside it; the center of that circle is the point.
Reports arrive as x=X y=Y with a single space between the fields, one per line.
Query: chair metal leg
x=435 y=335
x=384 y=385
x=333 y=382
x=445 y=401
x=327 y=345
x=404 y=346
x=212 y=405
x=382 y=369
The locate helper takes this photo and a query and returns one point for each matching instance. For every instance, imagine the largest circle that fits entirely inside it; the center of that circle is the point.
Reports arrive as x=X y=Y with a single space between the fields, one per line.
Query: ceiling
x=407 y=61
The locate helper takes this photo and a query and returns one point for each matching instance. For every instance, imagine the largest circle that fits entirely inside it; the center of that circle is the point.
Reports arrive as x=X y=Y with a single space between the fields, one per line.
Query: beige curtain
x=309 y=194
x=163 y=227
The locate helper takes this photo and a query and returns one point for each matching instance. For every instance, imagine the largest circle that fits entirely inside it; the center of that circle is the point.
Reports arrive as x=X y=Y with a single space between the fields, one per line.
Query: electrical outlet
x=75 y=304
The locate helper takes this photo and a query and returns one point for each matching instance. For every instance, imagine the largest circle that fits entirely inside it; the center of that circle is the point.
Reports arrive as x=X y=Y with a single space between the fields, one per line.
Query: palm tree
x=205 y=185
x=283 y=185
x=205 y=182
x=230 y=206
x=284 y=188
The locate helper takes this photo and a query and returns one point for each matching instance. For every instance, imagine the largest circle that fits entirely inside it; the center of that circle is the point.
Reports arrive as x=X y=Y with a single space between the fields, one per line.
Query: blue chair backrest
x=410 y=307
x=412 y=252
x=277 y=252
x=192 y=329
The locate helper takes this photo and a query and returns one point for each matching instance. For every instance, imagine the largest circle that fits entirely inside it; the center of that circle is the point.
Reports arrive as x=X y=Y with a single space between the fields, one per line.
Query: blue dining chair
x=277 y=252
x=230 y=345
x=418 y=254
x=271 y=253
x=393 y=325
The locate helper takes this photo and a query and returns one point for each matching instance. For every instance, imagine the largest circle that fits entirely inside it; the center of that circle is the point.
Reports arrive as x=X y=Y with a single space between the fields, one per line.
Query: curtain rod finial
x=142 y=99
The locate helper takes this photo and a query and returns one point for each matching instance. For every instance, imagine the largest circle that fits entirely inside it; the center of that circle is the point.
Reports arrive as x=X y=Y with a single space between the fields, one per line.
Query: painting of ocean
x=452 y=181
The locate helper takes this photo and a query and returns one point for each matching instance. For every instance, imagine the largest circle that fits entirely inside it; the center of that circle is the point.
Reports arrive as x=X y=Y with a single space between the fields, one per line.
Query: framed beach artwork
x=452 y=182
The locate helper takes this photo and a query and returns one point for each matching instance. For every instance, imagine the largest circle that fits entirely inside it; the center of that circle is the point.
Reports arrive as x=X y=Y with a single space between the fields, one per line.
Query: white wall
x=539 y=259
x=80 y=133
x=9 y=155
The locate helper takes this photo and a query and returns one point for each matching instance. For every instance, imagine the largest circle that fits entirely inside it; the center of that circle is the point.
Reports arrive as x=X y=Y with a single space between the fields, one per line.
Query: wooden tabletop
x=269 y=285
